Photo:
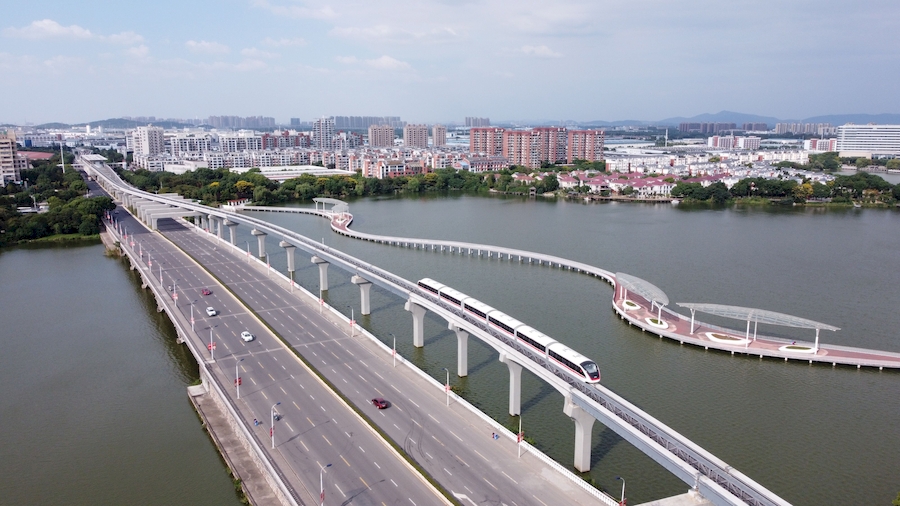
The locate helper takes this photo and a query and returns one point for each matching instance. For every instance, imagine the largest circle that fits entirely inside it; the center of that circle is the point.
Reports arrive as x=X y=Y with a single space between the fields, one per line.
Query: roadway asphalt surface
x=316 y=429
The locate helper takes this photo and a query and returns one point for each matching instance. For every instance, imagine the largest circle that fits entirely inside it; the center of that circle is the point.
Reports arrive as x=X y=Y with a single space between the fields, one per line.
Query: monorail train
x=561 y=354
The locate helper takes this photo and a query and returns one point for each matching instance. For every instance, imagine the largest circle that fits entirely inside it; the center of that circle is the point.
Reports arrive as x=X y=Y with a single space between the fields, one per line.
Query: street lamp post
x=237 y=379
x=268 y=265
x=248 y=251
x=447 y=385
x=192 y=315
x=212 y=346
x=351 y=320
x=622 y=501
x=395 y=350
x=322 y=484
x=272 y=430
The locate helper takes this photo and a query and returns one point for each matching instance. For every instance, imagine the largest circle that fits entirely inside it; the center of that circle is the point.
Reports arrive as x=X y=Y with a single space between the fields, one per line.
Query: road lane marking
x=417 y=423
x=433 y=418
x=438 y=440
x=327 y=441
x=339 y=490
x=395 y=483
x=448 y=472
x=282 y=388
x=364 y=482
x=376 y=464
x=540 y=501
x=414 y=402
x=310 y=421
x=510 y=477
x=345 y=461
x=289 y=426
x=489 y=483
x=429 y=455
x=461 y=460
x=273 y=379
x=361 y=449
x=296 y=406
x=480 y=455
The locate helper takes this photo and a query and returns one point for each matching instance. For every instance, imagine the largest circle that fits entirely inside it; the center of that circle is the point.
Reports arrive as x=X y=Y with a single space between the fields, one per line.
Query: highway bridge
x=712 y=478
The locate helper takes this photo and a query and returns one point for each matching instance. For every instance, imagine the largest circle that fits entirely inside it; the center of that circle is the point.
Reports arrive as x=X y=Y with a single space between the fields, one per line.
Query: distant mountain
x=722 y=117
x=112 y=123
x=52 y=126
x=859 y=119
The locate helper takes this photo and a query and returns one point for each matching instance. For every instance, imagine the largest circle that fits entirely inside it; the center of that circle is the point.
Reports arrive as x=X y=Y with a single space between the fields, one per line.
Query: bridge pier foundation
x=260 y=241
x=289 y=249
x=515 y=385
x=231 y=227
x=364 y=287
x=418 y=313
x=323 y=273
x=462 y=350
x=584 y=422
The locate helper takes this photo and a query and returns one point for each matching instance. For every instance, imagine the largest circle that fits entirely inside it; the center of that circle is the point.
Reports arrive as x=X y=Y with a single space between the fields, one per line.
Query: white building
x=868 y=140
x=323 y=133
x=415 y=136
x=148 y=140
x=438 y=136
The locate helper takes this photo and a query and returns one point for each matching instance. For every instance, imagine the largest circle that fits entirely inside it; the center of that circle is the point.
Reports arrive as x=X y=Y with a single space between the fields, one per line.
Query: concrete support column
x=261 y=241
x=462 y=350
x=364 y=287
x=231 y=226
x=289 y=249
x=418 y=313
x=583 y=425
x=323 y=273
x=515 y=385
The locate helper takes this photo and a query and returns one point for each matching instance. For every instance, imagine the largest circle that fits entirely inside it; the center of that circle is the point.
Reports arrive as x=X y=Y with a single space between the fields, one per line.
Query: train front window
x=591 y=369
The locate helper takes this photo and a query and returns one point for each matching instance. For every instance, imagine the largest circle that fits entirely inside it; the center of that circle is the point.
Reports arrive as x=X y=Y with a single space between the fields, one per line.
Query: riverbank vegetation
x=67 y=214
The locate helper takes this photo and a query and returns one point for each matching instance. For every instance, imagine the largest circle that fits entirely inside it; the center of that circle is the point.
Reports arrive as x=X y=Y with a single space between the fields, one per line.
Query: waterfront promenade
x=643 y=314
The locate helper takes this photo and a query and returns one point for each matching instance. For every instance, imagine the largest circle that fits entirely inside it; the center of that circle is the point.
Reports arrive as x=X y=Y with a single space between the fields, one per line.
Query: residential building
x=748 y=142
x=522 y=147
x=237 y=122
x=551 y=144
x=148 y=140
x=486 y=140
x=868 y=140
x=473 y=122
x=381 y=136
x=364 y=122
x=820 y=145
x=9 y=165
x=585 y=145
x=241 y=141
x=415 y=136
x=323 y=133
x=438 y=136
x=183 y=144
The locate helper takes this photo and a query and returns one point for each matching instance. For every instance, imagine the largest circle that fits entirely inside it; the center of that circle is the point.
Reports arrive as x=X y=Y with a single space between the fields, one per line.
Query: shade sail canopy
x=643 y=288
x=757 y=315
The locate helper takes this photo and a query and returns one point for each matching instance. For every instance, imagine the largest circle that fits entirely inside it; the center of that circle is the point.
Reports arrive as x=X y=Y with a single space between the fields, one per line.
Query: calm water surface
x=812 y=434
x=93 y=405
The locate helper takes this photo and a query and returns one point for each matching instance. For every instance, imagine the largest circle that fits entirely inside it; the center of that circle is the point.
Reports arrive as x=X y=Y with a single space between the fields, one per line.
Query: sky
x=442 y=60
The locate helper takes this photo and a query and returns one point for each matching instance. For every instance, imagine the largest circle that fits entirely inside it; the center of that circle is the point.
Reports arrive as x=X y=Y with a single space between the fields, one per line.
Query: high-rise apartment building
x=148 y=141
x=551 y=144
x=486 y=140
x=868 y=140
x=438 y=136
x=473 y=122
x=9 y=169
x=522 y=147
x=415 y=136
x=585 y=145
x=364 y=122
x=381 y=136
x=323 y=133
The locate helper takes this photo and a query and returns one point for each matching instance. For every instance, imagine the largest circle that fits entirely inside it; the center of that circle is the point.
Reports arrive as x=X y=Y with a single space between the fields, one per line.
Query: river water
x=94 y=408
x=93 y=402
x=813 y=434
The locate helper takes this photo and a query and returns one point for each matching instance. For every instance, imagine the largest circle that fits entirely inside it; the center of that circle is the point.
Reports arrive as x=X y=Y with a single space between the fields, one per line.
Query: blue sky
x=443 y=60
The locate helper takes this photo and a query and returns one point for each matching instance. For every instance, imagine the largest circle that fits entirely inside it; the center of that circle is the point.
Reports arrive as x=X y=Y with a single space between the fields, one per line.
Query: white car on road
x=211 y=311
x=247 y=336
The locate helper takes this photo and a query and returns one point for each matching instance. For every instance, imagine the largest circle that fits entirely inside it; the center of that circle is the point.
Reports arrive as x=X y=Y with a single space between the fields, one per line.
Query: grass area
x=726 y=338
x=65 y=238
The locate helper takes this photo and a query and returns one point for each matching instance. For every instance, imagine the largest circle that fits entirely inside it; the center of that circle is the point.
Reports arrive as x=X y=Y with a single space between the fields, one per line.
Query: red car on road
x=205 y=291
x=379 y=403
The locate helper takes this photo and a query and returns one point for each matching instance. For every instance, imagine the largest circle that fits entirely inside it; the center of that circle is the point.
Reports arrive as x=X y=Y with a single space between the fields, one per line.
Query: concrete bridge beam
x=584 y=422
x=364 y=287
x=261 y=241
x=515 y=385
x=323 y=273
x=231 y=228
x=462 y=350
x=418 y=313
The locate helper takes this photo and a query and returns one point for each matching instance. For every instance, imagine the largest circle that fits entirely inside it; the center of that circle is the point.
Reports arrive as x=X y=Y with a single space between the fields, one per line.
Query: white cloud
x=206 y=47
x=383 y=63
x=387 y=63
x=296 y=11
x=49 y=29
x=252 y=52
x=541 y=52
x=284 y=42
x=141 y=51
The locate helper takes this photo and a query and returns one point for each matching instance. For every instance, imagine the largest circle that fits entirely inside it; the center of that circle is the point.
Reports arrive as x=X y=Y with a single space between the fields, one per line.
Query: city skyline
x=437 y=62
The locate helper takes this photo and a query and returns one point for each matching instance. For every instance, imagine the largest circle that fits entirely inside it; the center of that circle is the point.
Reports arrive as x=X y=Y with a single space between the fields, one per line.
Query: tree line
x=70 y=212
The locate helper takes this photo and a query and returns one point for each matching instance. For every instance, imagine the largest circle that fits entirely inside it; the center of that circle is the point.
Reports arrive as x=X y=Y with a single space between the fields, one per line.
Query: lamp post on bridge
x=447 y=385
x=268 y=264
x=322 y=484
x=622 y=501
x=237 y=379
x=248 y=251
x=272 y=430
x=352 y=322
x=212 y=344
x=394 y=353
x=192 y=315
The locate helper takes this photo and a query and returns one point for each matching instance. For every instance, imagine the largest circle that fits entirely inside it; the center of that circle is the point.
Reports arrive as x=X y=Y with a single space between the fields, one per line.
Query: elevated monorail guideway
x=584 y=402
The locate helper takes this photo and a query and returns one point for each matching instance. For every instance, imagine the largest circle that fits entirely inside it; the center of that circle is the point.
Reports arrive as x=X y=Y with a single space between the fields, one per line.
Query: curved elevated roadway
x=712 y=477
